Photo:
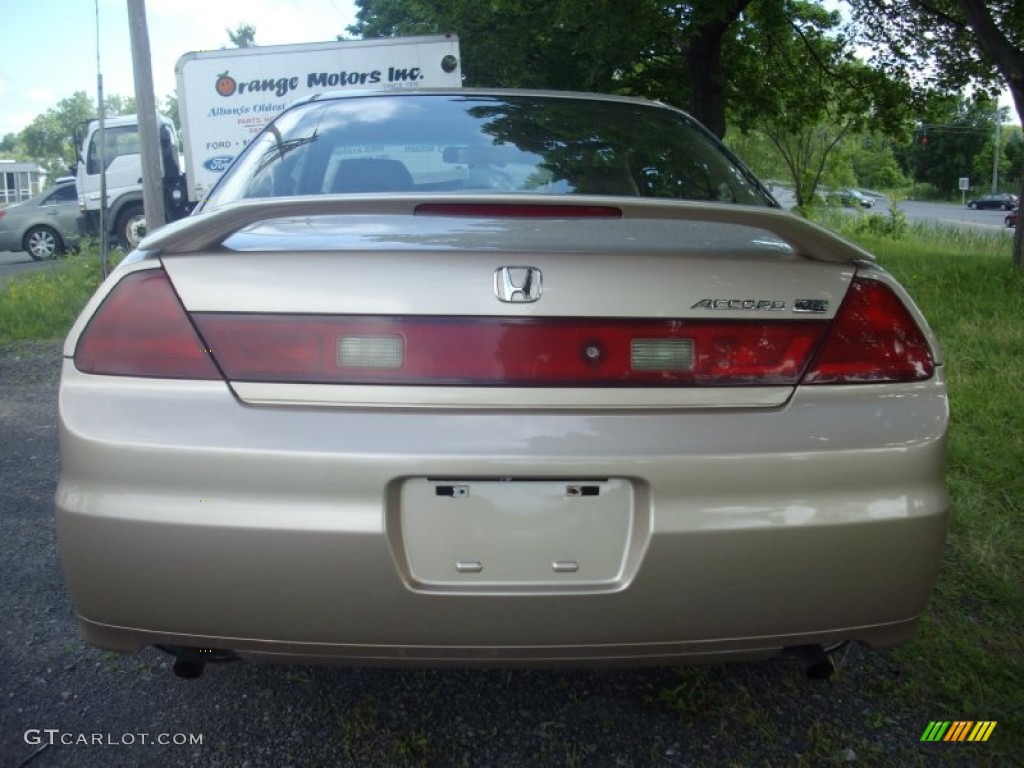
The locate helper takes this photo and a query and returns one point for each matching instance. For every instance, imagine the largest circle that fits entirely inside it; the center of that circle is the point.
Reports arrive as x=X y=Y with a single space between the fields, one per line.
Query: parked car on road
x=44 y=225
x=1003 y=201
x=498 y=378
x=852 y=198
x=1011 y=218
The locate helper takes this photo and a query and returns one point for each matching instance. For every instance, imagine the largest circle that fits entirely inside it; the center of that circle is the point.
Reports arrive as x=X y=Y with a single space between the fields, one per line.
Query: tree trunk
x=705 y=73
x=707 y=82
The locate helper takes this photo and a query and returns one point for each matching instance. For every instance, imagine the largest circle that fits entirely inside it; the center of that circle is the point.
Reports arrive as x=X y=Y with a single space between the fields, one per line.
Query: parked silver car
x=44 y=225
x=852 y=198
x=492 y=377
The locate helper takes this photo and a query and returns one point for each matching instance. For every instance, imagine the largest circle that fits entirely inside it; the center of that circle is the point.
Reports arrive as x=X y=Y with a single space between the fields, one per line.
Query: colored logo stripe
x=958 y=730
x=935 y=731
x=982 y=731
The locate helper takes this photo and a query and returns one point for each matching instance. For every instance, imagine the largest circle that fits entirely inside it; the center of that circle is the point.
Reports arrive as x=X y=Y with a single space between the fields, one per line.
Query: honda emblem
x=517 y=285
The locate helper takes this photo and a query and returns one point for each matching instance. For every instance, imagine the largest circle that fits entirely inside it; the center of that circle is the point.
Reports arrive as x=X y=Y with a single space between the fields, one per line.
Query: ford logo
x=218 y=164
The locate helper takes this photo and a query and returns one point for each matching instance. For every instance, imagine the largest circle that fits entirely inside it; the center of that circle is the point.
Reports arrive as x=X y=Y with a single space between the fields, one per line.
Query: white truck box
x=225 y=97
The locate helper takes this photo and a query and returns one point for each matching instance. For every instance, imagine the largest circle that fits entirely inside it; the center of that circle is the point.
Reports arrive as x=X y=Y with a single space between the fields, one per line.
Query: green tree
x=707 y=54
x=985 y=159
x=759 y=153
x=120 y=105
x=9 y=145
x=813 y=96
x=242 y=36
x=669 y=50
x=49 y=139
x=170 y=108
x=560 y=44
x=699 y=35
x=874 y=164
x=782 y=66
x=1014 y=151
x=952 y=132
x=957 y=42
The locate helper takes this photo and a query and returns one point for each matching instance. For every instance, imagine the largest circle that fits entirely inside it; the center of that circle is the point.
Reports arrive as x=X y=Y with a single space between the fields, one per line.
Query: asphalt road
x=65 y=704
x=12 y=263
x=954 y=215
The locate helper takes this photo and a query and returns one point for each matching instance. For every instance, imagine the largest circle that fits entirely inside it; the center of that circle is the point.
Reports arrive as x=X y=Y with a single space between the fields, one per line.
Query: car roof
x=499 y=92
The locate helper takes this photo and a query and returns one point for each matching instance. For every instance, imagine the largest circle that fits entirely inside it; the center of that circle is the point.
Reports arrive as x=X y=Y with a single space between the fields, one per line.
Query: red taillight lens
x=141 y=329
x=519 y=352
x=873 y=339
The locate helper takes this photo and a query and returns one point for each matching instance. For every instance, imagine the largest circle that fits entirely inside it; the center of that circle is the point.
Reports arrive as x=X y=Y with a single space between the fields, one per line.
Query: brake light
x=873 y=339
x=141 y=329
x=519 y=211
x=502 y=351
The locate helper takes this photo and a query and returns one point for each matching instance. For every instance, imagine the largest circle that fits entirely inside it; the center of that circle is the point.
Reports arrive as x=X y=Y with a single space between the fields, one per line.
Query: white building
x=18 y=181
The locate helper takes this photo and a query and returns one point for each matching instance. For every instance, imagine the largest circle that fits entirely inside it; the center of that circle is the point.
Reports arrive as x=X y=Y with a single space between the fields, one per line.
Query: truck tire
x=131 y=226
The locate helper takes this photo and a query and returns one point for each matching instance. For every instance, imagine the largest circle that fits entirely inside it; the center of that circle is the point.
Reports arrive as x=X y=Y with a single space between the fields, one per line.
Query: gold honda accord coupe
x=498 y=378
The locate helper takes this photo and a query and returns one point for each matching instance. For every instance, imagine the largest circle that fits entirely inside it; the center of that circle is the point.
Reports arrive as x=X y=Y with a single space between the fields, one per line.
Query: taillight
x=873 y=339
x=141 y=329
x=502 y=351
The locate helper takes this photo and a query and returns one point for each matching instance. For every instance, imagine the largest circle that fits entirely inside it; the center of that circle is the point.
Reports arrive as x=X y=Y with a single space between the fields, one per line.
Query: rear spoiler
x=208 y=230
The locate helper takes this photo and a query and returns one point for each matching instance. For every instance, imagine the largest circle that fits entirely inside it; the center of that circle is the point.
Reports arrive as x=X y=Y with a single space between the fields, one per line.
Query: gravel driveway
x=65 y=704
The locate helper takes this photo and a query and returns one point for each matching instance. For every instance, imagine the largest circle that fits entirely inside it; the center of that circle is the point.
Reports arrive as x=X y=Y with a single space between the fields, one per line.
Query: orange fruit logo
x=226 y=85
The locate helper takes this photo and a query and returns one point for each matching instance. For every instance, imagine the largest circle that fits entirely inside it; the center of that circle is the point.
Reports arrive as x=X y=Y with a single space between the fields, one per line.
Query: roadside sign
x=965 y=183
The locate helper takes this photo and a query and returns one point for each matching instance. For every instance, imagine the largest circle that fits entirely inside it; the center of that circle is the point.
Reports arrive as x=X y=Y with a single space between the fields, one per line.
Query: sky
x=49 y=49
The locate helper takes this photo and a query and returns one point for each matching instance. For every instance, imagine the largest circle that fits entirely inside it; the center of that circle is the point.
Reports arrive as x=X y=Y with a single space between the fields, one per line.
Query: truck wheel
x=43 y=243
x=131 y=227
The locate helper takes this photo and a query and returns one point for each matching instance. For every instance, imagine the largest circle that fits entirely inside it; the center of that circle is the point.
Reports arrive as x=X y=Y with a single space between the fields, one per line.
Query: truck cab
x=126 y=220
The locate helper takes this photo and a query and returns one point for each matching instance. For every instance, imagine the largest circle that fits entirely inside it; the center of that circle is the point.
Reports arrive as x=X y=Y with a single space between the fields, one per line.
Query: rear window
x=448 y=143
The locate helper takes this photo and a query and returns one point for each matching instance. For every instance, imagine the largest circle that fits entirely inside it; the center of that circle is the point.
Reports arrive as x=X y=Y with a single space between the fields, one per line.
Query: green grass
x=43 y=304
x=968 y=659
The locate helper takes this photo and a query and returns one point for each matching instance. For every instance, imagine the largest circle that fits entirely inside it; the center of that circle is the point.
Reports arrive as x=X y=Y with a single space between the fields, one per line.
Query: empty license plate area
x=516 y=533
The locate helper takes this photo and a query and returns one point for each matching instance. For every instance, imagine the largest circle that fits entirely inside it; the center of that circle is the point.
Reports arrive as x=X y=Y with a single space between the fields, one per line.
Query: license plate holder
x=515 y=533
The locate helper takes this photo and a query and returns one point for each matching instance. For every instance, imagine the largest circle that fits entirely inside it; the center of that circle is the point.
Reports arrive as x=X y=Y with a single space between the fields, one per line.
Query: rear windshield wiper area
x=282 y=148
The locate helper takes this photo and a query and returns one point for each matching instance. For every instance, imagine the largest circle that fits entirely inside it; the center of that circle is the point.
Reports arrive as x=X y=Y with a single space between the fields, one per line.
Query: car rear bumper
x=127 y=640
x=187 y=518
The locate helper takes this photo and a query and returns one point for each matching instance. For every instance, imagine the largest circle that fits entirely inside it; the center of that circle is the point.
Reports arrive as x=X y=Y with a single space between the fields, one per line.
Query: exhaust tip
x=189 y=662
x=822 y=670
x=817 y=664
x=188 y=669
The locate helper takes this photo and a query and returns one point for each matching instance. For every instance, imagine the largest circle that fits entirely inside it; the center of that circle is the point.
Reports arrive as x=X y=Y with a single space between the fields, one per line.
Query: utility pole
x=101 y=112
x=149 y=131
